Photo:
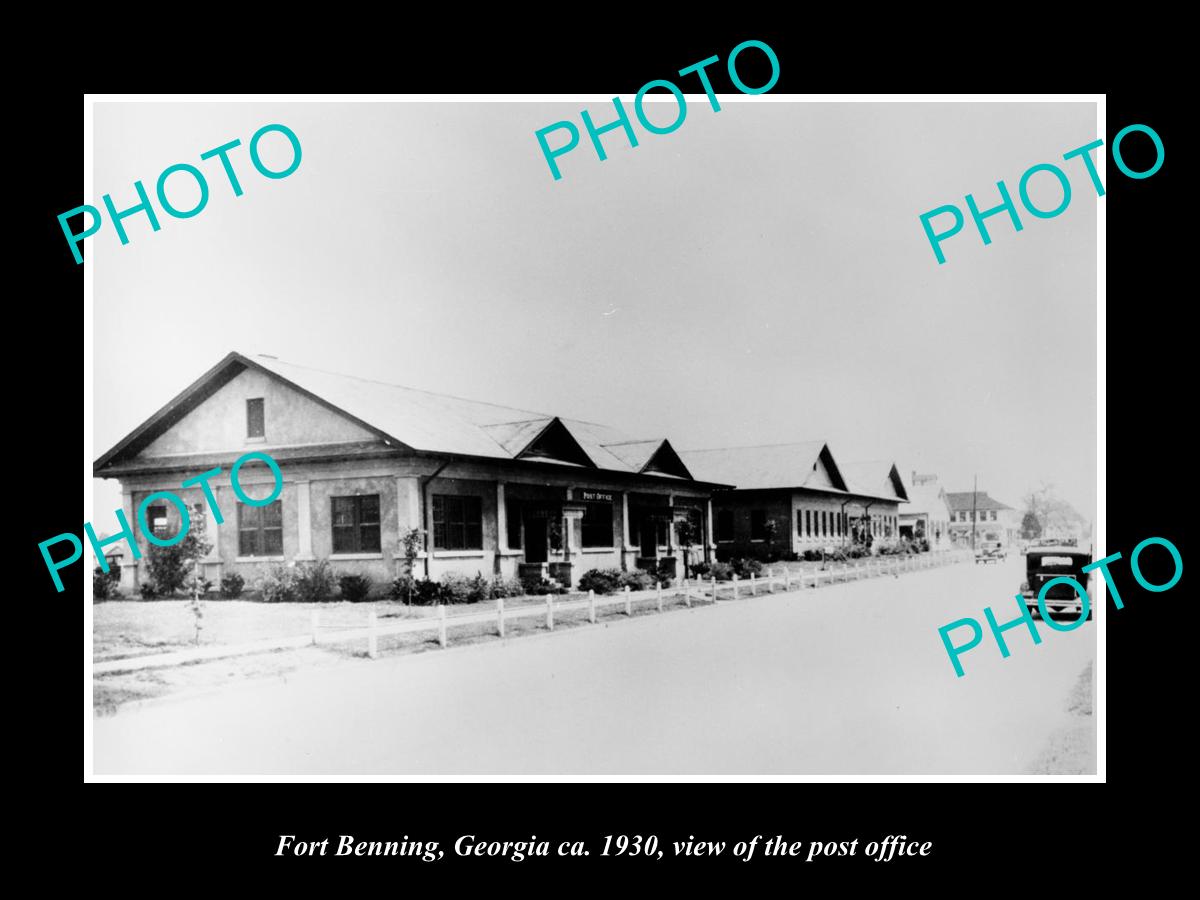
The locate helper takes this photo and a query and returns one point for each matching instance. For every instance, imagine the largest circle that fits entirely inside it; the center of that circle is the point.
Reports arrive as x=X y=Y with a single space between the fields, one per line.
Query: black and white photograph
x=508 y=437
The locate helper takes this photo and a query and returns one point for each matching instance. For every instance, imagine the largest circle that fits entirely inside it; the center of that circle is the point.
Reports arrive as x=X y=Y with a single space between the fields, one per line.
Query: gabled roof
x=926 y=499
x=414 y=420
x=877 y=478
x=960 y=501
x=764 y=467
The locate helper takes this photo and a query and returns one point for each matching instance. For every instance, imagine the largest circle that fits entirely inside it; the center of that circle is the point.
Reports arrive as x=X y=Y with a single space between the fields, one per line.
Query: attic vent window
x=255 y=418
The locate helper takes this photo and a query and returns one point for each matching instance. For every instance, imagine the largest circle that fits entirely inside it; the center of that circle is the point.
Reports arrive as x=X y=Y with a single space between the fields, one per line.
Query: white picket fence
x=693 y=591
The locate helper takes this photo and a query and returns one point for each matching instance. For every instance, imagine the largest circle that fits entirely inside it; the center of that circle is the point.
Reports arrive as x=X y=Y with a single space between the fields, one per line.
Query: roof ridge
x=405 y=387
x=754 y=446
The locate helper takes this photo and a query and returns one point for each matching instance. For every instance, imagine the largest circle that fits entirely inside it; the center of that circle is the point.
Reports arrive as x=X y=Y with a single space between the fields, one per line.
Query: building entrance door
x=648 y=537
x=537 y=539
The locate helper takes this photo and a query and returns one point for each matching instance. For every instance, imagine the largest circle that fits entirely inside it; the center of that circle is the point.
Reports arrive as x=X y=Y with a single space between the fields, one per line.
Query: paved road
x=848 y=679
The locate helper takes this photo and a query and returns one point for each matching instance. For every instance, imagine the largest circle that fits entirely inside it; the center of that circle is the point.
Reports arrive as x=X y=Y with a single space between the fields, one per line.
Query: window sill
x=256 y=440
x=452 y=554
x=599 y=550
x=512 y=553
x=337 y=556
x=259 y=559
x=421 y=554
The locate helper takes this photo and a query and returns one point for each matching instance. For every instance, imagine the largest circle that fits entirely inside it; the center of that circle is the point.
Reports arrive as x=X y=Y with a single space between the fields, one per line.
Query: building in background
x=977 y=513
x=795 y=497
x=927 y=514
x=487 y=489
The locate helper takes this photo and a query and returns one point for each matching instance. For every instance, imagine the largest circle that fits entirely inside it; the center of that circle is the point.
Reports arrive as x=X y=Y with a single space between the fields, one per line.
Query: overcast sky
x=758 y=276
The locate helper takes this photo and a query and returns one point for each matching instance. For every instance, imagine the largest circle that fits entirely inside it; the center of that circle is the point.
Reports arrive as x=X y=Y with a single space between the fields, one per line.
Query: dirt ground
x=124 y=629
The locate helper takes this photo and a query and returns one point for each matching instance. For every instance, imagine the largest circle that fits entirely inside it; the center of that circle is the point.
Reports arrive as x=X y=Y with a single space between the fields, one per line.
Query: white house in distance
x=927 y=514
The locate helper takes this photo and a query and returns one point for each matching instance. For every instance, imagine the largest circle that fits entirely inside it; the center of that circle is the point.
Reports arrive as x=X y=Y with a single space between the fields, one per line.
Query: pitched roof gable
x=415 y=420
x=767 y=466
x=960 y=501
x=876 y=478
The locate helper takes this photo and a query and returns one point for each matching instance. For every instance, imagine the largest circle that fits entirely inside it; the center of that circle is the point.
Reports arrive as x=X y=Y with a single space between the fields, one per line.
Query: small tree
x=412 y=540
x=771 y=530
x=688 y=534
x=169 y=567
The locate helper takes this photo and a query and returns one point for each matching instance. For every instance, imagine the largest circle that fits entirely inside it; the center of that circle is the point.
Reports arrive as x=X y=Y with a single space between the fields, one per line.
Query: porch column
x=304 y=520
x=501 y=519
x=710 y=540
x=408 y=517
x=671 y=527
x=129 y=565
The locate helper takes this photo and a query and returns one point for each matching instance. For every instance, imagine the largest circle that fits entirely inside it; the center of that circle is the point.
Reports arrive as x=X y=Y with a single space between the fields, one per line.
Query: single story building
x=795 y=497
x=481 y=488
x=927 y=514
x=974 y=516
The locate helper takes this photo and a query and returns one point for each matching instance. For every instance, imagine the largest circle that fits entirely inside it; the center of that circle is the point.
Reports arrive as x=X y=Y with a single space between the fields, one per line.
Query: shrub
x=637 y=580
x=664 y=573
x=811 y=555
x=744 y=568
x=602 y=581
x=465 y=589
x=170 y=567
x=544 y=586
x=721 y=571
x=700 y=570
x=507 y=587
x=232 y=585
x=278 y=585
x=837 y=555
x=354 y=588
x=426 y=592
x=923 y=545
x=857 y=551
x=401 y=588
x=147 y=590
x=314 y=582
x=104 y=584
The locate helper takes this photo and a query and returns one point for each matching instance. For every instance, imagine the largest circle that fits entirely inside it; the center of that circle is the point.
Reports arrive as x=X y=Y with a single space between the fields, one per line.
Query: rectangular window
x=724 y=524
x=260 y=529
x=256 y=425
x=758 y=524
x=157 y=517
x=598 y=525
x=512 y=519
x=457 y=522
x=800 y=522
x=356 y=524
x=824 y=524
x=992 y=516
x=808 y=522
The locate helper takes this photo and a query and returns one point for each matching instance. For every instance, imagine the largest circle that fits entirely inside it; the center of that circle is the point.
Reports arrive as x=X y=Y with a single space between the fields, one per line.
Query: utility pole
x=974 y=499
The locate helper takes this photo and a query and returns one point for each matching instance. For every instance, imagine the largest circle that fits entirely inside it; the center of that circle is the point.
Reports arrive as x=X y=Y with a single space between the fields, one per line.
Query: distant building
x=795 y=497
x=988 y=519
x=927 y=514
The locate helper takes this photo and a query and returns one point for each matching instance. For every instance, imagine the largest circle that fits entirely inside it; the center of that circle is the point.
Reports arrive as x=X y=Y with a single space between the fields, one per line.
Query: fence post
x=735 y=586
x=592 y=606
x=687 y=593
x=628 y=603
x=442 y=625
x=549 y=612
x=787 y=580
x=714 y=587
x=316 y=622
x=500 y=614
x=372 y=637
x=659 y=589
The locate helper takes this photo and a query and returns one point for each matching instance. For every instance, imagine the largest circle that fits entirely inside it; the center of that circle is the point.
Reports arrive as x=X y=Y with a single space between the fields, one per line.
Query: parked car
x=990 y=551
x=1045 y=563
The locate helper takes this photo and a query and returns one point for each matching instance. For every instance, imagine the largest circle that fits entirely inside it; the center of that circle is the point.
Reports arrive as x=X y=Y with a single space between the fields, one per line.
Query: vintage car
x=990 y=551
x=1046 y=563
